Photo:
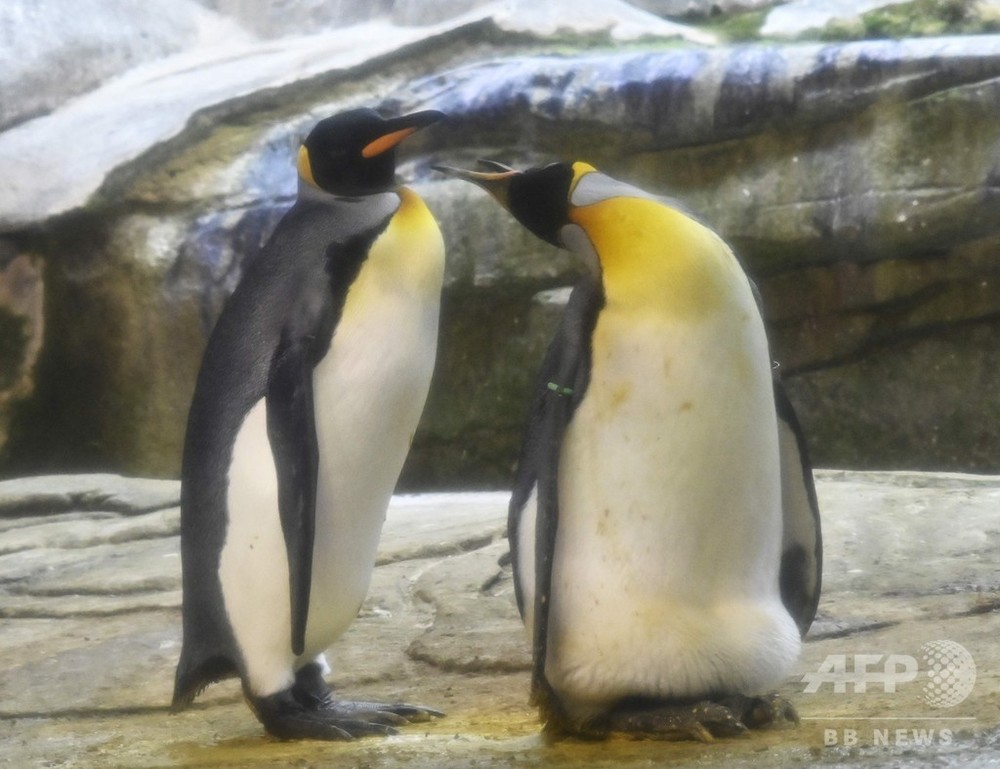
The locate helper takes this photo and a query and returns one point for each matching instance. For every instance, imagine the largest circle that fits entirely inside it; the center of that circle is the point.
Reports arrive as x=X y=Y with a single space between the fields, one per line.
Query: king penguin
x=309 y=392
x=663 y=524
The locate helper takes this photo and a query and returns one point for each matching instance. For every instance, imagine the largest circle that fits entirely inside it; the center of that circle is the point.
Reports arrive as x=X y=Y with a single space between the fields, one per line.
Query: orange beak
x=398 y=129
x=495 y=182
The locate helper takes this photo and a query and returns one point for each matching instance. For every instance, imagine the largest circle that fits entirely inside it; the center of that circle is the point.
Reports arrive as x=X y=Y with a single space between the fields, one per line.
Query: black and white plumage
x=663 y=523
x=309 y=393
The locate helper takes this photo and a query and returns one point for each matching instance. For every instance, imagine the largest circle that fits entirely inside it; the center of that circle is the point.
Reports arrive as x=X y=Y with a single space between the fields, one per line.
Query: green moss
x=737 y=28
x=920 y=18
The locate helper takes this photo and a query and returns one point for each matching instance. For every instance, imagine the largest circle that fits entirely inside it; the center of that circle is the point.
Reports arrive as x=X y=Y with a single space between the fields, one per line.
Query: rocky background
x=852 y=158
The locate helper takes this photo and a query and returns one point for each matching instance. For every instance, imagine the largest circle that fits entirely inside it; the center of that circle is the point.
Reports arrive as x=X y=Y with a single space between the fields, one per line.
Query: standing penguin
x=663 y=525
x=309 y=393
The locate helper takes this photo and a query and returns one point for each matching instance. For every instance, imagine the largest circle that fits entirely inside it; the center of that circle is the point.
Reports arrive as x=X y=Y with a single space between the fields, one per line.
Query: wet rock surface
x=90 y=595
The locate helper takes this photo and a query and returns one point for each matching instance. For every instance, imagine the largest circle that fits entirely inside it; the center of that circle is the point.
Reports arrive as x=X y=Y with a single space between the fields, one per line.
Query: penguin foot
x=395 y=713
x=764 y=711
x=702 y=721
x=284 y=717
x=706 y=720
x=312 y=690
x=308 y=710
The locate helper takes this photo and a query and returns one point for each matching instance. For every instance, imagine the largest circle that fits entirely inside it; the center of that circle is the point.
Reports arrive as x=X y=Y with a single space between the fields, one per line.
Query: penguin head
x=539 y=198
x=354 y=152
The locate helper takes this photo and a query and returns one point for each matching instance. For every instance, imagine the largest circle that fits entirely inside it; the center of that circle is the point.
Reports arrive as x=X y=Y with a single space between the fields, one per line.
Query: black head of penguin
x=353 y=153
x=538 y=197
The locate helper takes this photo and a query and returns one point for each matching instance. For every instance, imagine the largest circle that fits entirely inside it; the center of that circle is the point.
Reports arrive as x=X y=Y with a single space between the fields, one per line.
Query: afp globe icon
x=951 y=673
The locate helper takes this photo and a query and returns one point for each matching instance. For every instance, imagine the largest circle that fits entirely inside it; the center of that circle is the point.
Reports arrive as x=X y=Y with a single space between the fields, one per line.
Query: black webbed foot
x=312 y=690
x=284 y=717
x=308 y=710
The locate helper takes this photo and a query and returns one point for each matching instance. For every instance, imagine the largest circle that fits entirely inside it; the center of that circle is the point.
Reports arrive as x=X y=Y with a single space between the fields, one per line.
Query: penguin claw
x=345 y=711
x=764 y=711
x=413 y=714
x=396 y=714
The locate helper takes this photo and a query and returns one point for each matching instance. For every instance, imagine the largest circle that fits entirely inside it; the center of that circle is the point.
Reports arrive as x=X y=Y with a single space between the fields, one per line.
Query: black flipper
x=291 y=429
x=561 y=384
x=801 y=572
x=291 y=422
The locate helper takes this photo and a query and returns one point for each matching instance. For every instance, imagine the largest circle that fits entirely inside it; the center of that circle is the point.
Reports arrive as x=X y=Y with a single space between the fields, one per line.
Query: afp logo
x=948 y=673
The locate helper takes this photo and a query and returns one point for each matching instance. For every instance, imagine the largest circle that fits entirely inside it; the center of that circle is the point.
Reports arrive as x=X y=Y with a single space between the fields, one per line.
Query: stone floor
x=90 y=590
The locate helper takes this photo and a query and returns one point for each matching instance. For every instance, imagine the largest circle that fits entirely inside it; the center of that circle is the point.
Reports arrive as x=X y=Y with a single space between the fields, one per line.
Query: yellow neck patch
x=580 y=169
x=413 y=212
x=410 y=252
x=305 y=167
x=656 y=258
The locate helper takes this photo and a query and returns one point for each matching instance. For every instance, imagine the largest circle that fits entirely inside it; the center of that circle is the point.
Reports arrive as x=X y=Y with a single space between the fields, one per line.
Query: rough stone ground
x=89 y=597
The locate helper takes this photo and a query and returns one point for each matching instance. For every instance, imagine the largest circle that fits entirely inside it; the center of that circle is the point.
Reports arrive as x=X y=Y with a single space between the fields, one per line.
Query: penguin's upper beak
x=397 y=129
x=496 y=182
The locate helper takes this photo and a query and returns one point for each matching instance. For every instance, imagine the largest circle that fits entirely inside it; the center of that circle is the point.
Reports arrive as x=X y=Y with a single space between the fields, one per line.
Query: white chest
x=669 y=466
x=369 y=392
x=669 y=531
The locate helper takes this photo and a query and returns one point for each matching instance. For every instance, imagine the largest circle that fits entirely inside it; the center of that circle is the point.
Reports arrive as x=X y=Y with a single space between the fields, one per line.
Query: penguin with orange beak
x=663 y=524
x=308 y=396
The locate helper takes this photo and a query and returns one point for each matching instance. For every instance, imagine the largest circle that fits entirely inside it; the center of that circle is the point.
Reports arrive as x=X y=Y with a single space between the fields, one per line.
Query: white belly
x=665 y=577
x=253 y=565
x=369 y=393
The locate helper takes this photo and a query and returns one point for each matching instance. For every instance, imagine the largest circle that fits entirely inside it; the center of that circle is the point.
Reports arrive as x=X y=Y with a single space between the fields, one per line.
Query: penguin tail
x=194 y=675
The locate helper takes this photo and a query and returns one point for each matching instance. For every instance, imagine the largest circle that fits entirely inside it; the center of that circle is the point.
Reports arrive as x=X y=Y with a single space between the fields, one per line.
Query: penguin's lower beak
x=397 y=129
x=496 y=182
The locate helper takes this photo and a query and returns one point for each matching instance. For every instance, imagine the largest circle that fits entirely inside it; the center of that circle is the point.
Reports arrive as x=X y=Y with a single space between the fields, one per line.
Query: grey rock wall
x=21 y=329
x=52 y=50
x=859 y=182
x=702 y=9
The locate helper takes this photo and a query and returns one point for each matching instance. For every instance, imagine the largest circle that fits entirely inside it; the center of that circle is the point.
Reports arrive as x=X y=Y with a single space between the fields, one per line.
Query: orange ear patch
x=387 y=142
